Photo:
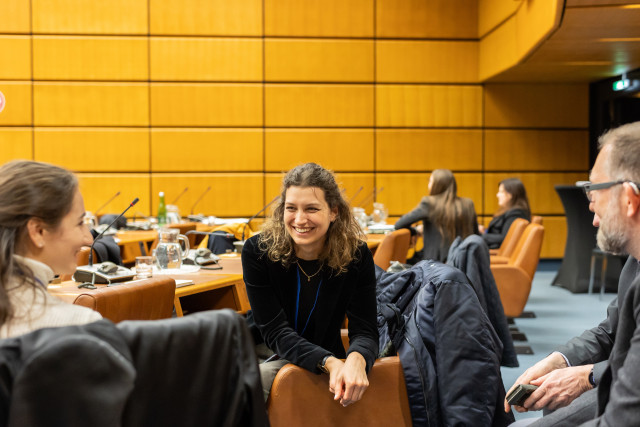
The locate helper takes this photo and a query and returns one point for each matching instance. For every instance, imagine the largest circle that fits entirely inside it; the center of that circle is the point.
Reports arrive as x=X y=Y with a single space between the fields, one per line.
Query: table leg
x=177 y=306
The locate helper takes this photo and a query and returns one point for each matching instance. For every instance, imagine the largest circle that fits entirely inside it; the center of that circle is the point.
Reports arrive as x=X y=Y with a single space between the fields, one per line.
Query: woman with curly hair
x=306 y=270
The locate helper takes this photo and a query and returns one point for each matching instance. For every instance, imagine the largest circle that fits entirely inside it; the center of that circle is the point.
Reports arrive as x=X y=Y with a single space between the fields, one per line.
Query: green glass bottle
x=162 y=211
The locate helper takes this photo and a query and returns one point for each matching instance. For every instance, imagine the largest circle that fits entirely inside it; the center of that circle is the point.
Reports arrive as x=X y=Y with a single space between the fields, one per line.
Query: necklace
x=305 y=273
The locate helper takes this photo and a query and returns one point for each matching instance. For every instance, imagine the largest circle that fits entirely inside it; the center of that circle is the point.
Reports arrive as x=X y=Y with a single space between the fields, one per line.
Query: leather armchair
x=301 y=398
x=502 y=254
x=394 y=247
x=514 y=278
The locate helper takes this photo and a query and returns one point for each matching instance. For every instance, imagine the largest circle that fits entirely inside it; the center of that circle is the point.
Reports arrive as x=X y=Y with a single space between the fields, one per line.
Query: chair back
x=527 y=253
x=147 y=299
x=512 y=237
x=394 y=247
x=536 y=220
x=301 y=398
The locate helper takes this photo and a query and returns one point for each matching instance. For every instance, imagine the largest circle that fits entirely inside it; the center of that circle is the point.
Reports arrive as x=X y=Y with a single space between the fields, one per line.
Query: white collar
x=41 y=271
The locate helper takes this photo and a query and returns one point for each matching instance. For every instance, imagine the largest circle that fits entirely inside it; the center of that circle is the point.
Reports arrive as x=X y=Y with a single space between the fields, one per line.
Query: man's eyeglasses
x=588 y=187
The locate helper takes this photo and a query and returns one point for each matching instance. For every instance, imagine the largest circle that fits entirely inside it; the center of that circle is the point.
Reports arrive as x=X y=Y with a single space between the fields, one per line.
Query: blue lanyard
x=298 y=305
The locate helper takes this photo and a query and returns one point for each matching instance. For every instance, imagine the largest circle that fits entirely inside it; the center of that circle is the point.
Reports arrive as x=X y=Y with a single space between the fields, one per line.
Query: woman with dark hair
x=512 y=204
x=444 y=216
x=306 y=270
x=41 y=231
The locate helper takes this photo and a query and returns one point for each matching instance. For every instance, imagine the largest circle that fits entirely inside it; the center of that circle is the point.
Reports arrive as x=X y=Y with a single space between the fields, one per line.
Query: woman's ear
x=334 y=214
x=35 y=232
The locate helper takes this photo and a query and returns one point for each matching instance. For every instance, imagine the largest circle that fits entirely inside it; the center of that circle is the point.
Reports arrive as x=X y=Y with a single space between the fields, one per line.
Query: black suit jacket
x=499 y=227
x=618 y=392
x=272 y=290
x=595 y=345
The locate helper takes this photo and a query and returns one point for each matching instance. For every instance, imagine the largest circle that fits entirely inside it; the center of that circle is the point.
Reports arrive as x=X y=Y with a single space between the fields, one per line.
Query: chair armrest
x=495 y=259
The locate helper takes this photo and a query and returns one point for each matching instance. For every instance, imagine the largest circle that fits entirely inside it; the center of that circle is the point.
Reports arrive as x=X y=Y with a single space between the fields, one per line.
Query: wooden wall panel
x=536 y=105
x=15 y=17
x=15 y=57
x=350 y=182
x=200 y=150
x=428 y=149
x=97 y=188
x=428 y=106
x=426 y=61
x=555 y=236
x=94 y=149
x=540 y=189
x=319 y=18
x=231 y=194
x=227 y=105
x=89 y=17
x=403 y=191
x=206 y=59
x=16 y=143
x=319 y=105
x=17 y=109
x=303 y=60
x=492 y=13
x=536 y=150
x=90 y=58
x=427 y=19
x=91 y=104
x=338 y=150
x=206 y=17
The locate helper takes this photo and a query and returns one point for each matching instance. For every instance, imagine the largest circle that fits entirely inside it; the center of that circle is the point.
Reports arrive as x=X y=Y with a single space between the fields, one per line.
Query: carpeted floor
x=560 y=315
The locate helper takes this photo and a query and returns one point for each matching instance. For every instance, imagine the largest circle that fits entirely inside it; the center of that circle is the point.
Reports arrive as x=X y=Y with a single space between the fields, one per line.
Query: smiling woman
x=41 y=231
x=304 y=272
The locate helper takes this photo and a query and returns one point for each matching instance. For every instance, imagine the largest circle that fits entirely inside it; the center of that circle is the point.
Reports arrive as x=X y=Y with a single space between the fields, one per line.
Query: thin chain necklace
x=305 y=273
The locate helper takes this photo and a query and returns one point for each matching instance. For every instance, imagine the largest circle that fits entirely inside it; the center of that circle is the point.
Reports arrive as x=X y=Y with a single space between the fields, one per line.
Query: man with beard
x=603 y=364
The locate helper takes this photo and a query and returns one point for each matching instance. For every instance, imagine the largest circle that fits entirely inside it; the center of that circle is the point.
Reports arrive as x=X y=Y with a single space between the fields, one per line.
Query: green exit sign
x=620 y=84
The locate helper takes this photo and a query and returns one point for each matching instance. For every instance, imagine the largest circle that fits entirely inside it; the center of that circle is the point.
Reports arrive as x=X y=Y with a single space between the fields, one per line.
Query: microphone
x=199 y=198
x=104 y=231
x=371 y=195
x=106 y=203
x=259 y=212
x=179 y=195
x=354 y=196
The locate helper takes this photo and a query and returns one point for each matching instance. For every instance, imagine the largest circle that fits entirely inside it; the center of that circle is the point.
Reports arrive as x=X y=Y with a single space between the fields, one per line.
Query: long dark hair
x=343 y=236
x=450 y=215
x=28 y=189
x=519 y=199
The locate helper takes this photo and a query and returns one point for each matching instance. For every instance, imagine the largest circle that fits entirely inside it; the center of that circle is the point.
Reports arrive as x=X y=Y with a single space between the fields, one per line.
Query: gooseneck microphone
x=106 y=203
x=179 y=195
x=199 y=198
x=103 y=231
x=355 y=195
x=259 y=212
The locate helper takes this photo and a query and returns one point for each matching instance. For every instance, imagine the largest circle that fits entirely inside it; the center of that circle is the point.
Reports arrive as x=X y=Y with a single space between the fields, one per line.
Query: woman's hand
x=347 y=381
x=481 y=228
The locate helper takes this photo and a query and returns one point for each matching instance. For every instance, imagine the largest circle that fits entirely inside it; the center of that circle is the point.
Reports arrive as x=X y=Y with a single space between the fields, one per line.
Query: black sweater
x=499 y=226
x=272 y=291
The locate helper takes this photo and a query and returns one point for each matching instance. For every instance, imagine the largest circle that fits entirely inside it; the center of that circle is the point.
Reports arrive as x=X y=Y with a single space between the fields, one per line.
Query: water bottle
x=162 y=211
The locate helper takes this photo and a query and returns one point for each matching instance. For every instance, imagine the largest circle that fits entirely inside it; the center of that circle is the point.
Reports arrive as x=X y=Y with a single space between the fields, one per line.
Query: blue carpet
x=560 y=315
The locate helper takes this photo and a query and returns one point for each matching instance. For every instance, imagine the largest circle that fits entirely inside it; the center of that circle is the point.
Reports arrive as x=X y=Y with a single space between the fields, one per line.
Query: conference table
x=211 y=289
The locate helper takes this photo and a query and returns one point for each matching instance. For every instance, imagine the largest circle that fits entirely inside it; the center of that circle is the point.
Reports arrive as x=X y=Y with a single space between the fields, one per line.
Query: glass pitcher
x=380 y=213
x=169 y=252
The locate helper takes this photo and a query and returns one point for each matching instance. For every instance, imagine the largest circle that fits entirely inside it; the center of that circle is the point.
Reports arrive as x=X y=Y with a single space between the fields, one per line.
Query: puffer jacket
x=449 y=351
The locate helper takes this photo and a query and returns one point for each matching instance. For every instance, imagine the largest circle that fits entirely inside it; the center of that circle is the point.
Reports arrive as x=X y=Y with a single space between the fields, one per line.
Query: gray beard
x=611 y=236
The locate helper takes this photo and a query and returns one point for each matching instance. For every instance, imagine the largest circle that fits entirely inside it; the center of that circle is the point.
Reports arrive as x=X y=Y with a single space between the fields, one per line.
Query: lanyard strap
x=298 y=304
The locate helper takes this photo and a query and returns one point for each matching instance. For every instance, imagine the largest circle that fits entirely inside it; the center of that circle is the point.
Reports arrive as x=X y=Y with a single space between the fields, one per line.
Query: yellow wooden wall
x=142 y=96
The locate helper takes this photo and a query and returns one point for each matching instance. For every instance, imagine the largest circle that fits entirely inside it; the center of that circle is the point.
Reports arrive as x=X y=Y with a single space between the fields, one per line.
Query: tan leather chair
x=514 y=278
x=536 y=220
x=301 y=398
x=503 y=253
x=147 y=299
x=394 y=247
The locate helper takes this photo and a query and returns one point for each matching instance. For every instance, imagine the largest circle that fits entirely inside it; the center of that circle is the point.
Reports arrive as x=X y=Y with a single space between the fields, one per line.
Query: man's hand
x=559 y=388
x=347 y=381
x=550 y=363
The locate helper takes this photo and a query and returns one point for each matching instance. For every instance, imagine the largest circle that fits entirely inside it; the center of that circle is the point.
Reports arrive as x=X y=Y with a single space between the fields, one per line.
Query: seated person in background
x=512 y=203
x=308 y=268
x=444 y=216
x=41 y=231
